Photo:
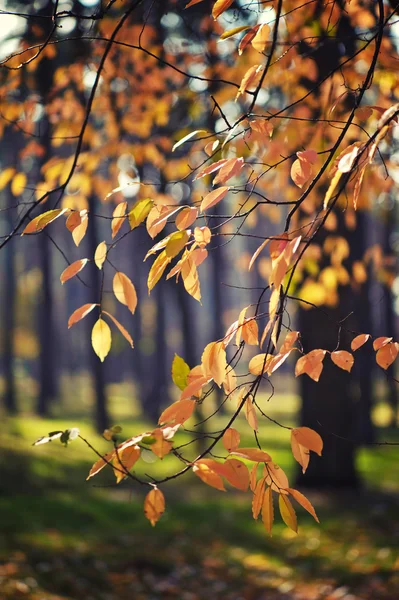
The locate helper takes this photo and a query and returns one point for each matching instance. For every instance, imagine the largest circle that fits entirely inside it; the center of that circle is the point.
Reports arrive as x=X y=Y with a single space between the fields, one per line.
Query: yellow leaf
x=158 y=267
x=230 y=381
x=140 y=212
x=214 y=362
x=309 y=439
x=73 y=269
x=154 y=505
x=287 y=512
x=304 y=502
x=180 y=371
x=80 y=313
x=202 y=236
x=123 y=331
x=250 y=333
x=119 y=216
x=234 y=31
x=208 y=476
x=343 y=359
x=18 y=184
x=41 y=221
x=79 y=231
x=125 y=291
x=231 y=439
x=261 y=38
x=100 y=254
x=267 y=510
x=101 y=339
x=259 y=364
x=176 y=243
x=6 y=176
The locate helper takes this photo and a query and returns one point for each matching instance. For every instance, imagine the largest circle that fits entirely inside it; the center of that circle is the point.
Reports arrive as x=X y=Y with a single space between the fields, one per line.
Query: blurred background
x=64 y=538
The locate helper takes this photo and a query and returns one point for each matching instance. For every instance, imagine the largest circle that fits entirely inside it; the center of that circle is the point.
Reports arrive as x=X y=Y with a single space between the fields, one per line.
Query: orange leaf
x=208 y=476
x=254 y=454
x=300 y=453
x=380 y=342
x=73 y=269
x=257 y=500
x=202 y=235
x=230 y=381
x=386 y=355
x=220 y=6
x=287 y=512
x=289 y=341
x=100 y=464
x=309 y=438
x=119 y=216
x=304 y=502
x=231 y=439
x=250 y=414
x=80 y=313
x=186 y=217
x=154 y=505
x=125 y=291
x=190 y=278
x=343 y=359
x=236 y=473
x=123 y=331
x=79 y=231
x=211 y=168
x=252 y=480
x=301 y=172
x=275 y=477
x=214 y=197
x=256 y=253
x=359 y=340
x=250 y=333
x=311 y=364
x=261 y=38
x=178 y=412
x=41 y=221
x=267 y=510
x=125 y=459
x=231 y=167
x=250 y=79
x=161 y=447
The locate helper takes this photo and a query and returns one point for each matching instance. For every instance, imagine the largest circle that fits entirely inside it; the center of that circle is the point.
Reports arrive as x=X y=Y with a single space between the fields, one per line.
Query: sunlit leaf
x=287 y=512
x=343 y=359
x=154 y=505
x=73 y=269
x=101 y=339
x=122 y=330
x=308 y=438
x=80 y=313
x=100 y=254
x=125 y=291
x=231 y=439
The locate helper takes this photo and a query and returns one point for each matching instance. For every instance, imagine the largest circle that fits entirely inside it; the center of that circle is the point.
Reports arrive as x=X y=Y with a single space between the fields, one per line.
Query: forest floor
x=66 y=539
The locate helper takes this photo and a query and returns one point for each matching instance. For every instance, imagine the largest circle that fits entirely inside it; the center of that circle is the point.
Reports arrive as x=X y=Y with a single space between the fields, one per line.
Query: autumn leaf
x=18 y=184
x=41 y=221
x=101 y=339
x=180 y=371
x=276 y=477
x=140 y=212
x=304 y=502
x=220 y=7
x=261 y=38
x=202 y=235
x=208 y=476
x=176 y=243
x=254 y=454
x=214 y=362
x=100 y=464
x=231 y=439
x=125 y=459
x=287 y=512
x=161 y=447
x=119 y=216
x=380 y=342
x=300 y=453
x=236 y=473
x=100 y=254
x=250 y=414
x=308 y=438
x=178 y=412
x=73 y=269
x=267 y=510
x=154 y=505
x=359 y=340
x=259 y=364
x=250 y=333
x=311 y=364
x=257 y=500
x=186 y=217
x=230 y=381
x=125 y=291
x=386 y=355
x=343 y=359
x=158 y=267
x=213 y=198
x=80 y=313
x=122 y=330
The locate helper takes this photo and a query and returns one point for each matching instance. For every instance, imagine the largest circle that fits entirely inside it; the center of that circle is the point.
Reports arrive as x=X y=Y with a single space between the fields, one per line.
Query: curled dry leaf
x=231 y=439
x=158 y=267
x=101 y=339
x=79 y=231
x=301 y=172
x=261 y=38
x=359 y=340
x=387 y=355
x=73 y=269
x=154 y=505
x=343 y=359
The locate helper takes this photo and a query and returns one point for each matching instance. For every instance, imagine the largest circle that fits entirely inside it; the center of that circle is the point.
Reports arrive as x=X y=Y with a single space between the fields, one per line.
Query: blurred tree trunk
x=101 y=417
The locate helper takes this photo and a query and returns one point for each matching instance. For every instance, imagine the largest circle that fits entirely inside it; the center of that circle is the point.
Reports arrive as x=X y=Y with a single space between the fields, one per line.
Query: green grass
x=64 y=537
